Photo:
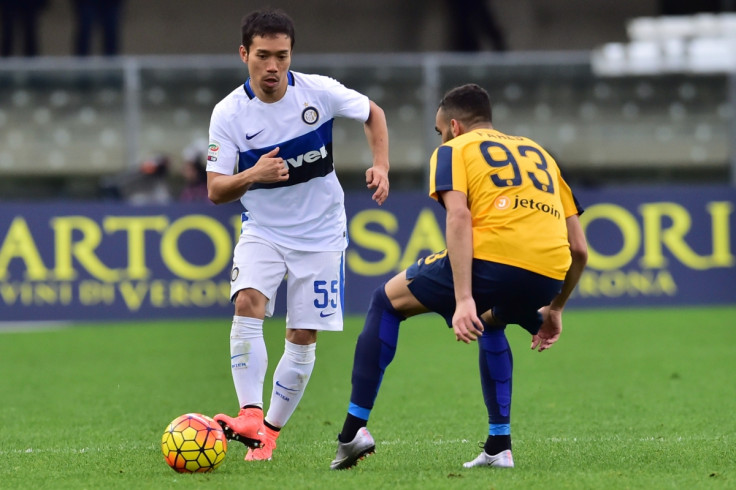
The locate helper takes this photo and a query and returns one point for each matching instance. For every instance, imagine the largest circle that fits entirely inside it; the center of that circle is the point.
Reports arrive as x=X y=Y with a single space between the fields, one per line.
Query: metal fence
x=95 y=117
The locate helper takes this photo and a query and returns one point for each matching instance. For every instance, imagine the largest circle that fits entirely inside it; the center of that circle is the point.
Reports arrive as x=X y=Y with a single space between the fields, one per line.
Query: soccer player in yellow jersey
x=515 y=251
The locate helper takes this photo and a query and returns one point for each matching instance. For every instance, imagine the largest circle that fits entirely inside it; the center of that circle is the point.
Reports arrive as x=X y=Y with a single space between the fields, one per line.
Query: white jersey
x=307 y=211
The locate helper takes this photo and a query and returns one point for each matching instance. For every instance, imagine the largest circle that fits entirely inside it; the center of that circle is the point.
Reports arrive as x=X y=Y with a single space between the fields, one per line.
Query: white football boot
x=349 y=453
x=504 y=459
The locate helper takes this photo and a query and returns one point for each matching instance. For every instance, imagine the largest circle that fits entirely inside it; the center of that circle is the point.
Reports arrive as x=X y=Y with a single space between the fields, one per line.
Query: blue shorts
x=514 y=294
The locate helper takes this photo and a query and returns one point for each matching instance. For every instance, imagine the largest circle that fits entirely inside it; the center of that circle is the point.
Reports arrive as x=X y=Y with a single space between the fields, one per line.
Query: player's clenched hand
x=270 y=168
x=377 y=178
x=550 y=330
x=465 y=322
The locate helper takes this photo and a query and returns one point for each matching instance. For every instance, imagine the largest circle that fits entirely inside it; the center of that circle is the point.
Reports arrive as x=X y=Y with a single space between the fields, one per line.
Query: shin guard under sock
x=373 y=353
x=496 y=367
x=248 y=360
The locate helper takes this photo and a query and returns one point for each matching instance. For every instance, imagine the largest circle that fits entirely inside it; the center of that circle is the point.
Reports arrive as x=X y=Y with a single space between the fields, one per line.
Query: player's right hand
x=465 y=322
x=270 y=168
x=377 y=178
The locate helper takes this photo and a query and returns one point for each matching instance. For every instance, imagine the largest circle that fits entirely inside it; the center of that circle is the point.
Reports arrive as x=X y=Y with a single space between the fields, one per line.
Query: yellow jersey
x=517 y=199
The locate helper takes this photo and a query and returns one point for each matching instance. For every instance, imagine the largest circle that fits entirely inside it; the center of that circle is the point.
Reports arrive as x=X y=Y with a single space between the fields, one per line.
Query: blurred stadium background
x=621 y=92
x=607 y=96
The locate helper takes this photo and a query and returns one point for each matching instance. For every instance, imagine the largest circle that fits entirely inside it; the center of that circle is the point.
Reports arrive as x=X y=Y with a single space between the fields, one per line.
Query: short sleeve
x=222 y=153
x=445 y=173
x=349 y=103
x=569 y=203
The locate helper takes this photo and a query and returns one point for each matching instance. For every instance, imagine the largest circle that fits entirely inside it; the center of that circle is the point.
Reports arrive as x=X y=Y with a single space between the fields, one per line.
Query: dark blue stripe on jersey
x=249 y=91
x=580 y=209
x=308 y=156
x=443 y=171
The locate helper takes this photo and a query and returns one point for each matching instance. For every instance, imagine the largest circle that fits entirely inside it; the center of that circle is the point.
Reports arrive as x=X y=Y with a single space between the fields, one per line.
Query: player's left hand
x=377 y=178
x=550 y=330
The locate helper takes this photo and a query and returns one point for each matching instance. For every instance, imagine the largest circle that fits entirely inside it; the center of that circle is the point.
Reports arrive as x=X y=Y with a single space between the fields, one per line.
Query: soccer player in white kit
x=271 y=148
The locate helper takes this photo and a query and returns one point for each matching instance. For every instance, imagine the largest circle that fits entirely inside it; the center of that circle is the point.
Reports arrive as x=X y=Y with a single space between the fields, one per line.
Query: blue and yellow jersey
x=517 y=198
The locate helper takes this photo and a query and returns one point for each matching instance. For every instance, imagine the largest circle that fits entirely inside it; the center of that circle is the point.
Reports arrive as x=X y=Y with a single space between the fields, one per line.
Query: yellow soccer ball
x=193 y=443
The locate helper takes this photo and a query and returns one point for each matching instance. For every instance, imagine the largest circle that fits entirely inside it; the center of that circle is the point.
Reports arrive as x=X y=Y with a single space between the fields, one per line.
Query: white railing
x=61 y=116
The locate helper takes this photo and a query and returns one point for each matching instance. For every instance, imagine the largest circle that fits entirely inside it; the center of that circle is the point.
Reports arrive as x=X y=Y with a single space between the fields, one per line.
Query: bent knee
x=250 y=302
x=401 y=298
x=301 y=336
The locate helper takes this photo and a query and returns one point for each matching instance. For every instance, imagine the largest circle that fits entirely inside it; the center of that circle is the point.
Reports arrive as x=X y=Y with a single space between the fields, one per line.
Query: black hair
x=469 y=104
x=264 y=23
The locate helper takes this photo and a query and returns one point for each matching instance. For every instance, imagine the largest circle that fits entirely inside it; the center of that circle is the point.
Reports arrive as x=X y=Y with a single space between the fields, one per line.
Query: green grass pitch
x=636 y=398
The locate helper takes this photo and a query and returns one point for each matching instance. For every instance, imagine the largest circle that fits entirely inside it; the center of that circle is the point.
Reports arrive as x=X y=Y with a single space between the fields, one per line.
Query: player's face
x=442 y=126
x=268 y=61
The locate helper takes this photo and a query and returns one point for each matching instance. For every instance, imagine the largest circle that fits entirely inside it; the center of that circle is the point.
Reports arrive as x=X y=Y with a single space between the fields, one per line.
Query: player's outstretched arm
x=269 y=168
x=376 y=131
x=465 y=321
x=551 y=327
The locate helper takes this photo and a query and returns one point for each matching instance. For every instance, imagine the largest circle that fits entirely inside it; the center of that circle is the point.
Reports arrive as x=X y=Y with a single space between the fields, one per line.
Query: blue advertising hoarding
x=659 y=246
x=90 y=261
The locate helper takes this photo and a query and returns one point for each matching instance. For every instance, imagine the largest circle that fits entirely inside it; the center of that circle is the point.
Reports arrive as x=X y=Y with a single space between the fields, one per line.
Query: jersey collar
x=249 y=91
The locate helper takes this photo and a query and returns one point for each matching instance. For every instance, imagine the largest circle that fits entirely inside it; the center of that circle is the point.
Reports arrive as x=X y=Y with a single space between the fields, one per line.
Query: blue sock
x=496 y=367
x=373 y=353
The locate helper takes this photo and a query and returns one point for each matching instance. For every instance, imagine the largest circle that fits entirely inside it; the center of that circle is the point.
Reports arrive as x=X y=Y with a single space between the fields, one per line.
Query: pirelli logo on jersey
x=503 y=202
x=308 y=156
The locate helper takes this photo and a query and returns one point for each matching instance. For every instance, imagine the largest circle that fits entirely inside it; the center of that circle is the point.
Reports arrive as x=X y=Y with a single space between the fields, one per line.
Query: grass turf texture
x=626 y=399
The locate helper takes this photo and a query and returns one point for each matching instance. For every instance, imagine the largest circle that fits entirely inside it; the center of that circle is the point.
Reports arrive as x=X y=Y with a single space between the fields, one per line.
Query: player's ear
x=456 y=127
x=243 y=54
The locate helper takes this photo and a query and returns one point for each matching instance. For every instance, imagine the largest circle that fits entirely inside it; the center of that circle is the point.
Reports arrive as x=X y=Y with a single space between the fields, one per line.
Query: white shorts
x=315 y=281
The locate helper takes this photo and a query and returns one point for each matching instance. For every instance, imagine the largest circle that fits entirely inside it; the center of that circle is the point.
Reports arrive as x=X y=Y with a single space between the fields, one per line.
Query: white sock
x=248 y=359
x=289 y=381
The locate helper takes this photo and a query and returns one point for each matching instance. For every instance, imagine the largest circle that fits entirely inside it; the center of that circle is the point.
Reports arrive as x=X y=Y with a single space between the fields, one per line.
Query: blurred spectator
x=148 y=184
x=194 y=171
x=20 y=15
x=472 y=22
x=90 y=14
x=152 y=186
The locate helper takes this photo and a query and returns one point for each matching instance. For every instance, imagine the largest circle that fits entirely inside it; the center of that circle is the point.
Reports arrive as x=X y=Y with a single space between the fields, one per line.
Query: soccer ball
x=194 y=443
